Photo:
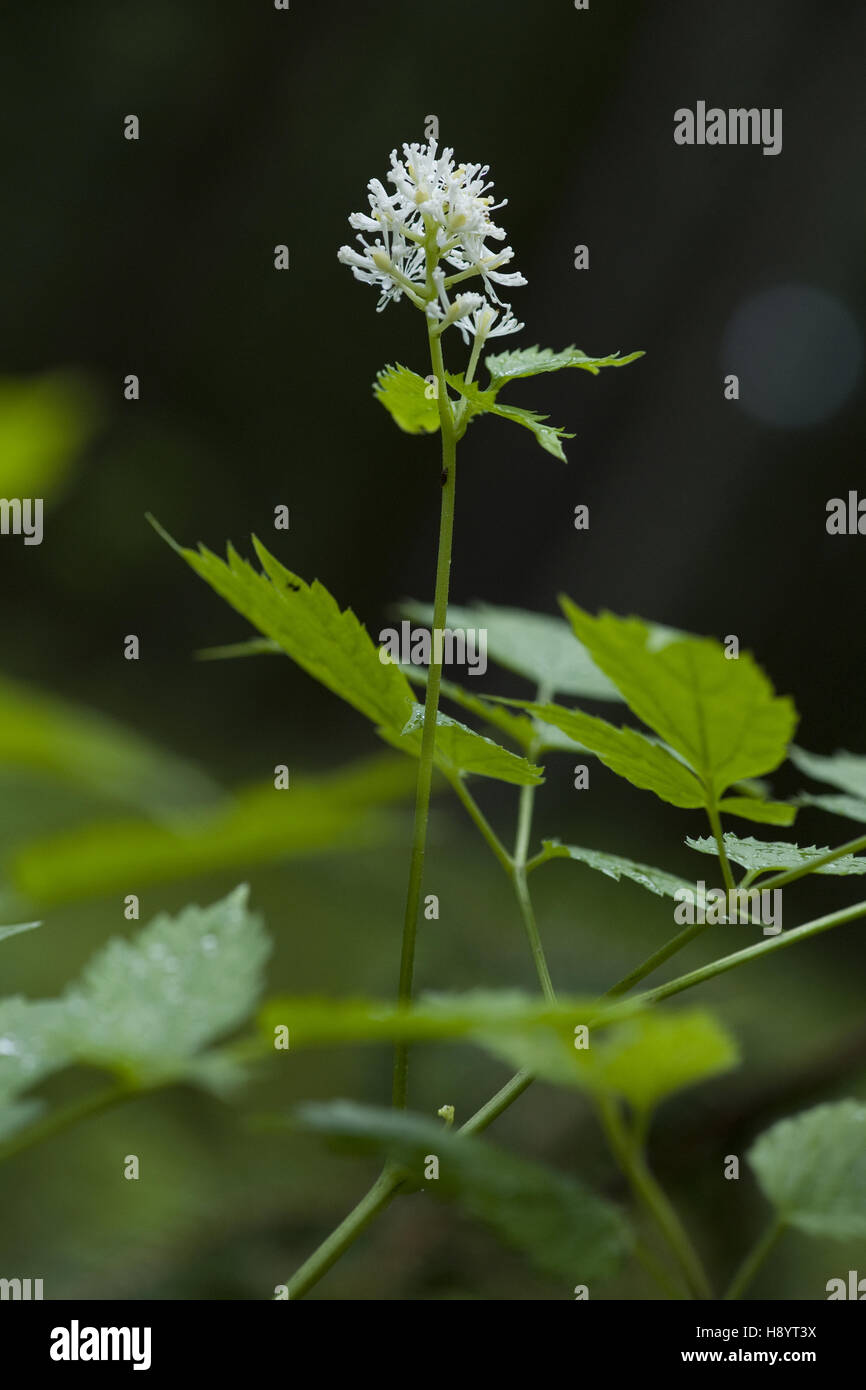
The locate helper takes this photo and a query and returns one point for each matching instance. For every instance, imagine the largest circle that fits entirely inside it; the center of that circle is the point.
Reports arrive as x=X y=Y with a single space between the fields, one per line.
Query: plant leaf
x=764 y=812
x=508 y=366
x=45 y=423
x=847 y=806
x=720 y=715
x=330 y=644
x=616 y=867
x=515 y=726
x=847 y=771
x=757 y=855
x=20 y=927
x=461 y=750
x=641 y=761
x=33 y=1043
x=316 y=815
x=641 y=1060
x=485 y=402
x=844 y=770
x=403 y=393
x=565 y=1229
x=476 y=1015
x=535 y=645
x=47 y=736
x=812 y=1167
x=145 y=1007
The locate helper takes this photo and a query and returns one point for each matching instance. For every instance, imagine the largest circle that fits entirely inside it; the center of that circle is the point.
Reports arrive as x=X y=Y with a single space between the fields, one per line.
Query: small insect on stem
x=444 y=477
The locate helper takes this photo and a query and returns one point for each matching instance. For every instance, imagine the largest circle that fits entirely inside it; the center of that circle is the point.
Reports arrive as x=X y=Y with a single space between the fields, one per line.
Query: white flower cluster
x=438 y=216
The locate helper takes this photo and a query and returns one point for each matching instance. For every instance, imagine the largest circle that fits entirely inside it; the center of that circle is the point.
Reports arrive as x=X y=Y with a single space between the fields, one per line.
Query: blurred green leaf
x=812 y=1168
x=474 y=1015
x=844 y=770
x=20 y=927
x=565 y=1229
x=324 y=814
x=757 y=855
x=403 y=393
x=33 y=1043
x=616 y=867
x=44 y=735
x=45 y=422
x=144 y=1007
x=641 y=1060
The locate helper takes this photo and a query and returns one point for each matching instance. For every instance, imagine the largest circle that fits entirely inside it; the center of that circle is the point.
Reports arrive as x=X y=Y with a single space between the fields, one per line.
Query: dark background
x=261 y=127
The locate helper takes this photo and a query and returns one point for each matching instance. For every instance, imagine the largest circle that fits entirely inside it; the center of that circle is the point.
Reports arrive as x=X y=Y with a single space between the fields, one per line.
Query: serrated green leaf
x=812 y=1168
x=721 y=716
x=641 y=1060
x=508 y=366
x=329 y=643
x=144 y=1007
x=514 y=726
x=485 y=402
x=49 y=737
x=404 y=394
x=315 y=815
x=45 y=423
x=762 y=812
x=462 y=750
x=535 y=645
x=756 y=855
x=628 y=753
x=616 y=867
x=564 y=1228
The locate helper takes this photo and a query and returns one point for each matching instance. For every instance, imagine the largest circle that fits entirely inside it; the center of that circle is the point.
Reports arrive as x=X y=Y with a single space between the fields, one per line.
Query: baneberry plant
x=711 y=729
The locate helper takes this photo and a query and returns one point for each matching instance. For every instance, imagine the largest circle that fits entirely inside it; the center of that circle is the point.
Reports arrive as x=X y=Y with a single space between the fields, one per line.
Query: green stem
x=653 y=1198
x=521 y=887
x=715 y=822
x=66 y=1116
x=789 y=875
x=763 y=948
x=358 y=1219
x=496 y=1104
x=658 y=958
x=755 y=1258
x=431 y=709
x=483 y=824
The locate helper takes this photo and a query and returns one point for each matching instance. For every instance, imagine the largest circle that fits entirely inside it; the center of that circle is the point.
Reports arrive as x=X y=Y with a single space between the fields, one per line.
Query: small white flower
x=439 y=215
